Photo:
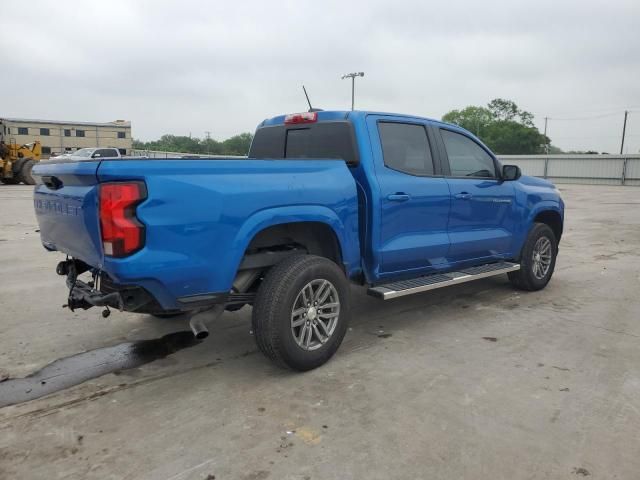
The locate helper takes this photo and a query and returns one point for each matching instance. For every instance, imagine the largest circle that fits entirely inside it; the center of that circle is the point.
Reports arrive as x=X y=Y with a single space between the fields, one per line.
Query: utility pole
x=546 y=144
x=208 y=133
x=624 y=129
x=353 y=76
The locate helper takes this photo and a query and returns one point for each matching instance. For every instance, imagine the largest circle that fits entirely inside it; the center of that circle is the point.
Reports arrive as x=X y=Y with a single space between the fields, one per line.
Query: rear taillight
x=304 y=117
x=122 y=233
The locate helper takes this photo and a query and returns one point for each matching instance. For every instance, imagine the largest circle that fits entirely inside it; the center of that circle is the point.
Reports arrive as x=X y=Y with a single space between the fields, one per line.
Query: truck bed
x=199 y=215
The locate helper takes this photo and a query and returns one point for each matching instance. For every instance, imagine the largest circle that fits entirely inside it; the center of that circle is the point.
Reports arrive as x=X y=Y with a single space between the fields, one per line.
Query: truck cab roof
x=337 y=115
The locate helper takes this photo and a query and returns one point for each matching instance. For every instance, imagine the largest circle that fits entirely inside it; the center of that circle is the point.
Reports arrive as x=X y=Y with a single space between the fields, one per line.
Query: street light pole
x=353 y=76
x=353 y=92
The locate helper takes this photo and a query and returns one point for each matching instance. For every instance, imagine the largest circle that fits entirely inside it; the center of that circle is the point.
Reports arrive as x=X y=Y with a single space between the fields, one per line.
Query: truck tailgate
x=66 y=205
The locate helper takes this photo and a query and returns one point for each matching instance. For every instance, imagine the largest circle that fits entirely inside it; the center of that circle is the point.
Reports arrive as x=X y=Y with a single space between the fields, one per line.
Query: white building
x=58 y=136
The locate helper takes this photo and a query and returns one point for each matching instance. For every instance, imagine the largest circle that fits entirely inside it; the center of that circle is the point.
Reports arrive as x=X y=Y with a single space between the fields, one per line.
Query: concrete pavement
x=419 y=388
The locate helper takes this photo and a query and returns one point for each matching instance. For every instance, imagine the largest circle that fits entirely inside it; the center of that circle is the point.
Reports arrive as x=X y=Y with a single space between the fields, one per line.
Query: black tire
x=10 y=181
x=526 y=278
x=25 y=173
x=273 y=310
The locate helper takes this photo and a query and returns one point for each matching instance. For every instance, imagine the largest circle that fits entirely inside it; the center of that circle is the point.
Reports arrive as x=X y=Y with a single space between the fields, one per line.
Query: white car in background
x=85 y=153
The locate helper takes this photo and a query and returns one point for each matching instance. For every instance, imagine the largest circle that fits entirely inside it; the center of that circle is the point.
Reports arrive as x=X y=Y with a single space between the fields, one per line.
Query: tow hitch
x=84 y=295
x=100 y=291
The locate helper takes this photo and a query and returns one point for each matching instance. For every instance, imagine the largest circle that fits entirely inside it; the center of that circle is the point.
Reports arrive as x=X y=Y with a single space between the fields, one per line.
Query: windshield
x=84 y=152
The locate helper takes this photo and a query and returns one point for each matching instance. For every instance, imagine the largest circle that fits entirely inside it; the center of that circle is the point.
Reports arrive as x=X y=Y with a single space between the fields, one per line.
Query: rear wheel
x=301 y=312
x=25 y=173
x=538 y=259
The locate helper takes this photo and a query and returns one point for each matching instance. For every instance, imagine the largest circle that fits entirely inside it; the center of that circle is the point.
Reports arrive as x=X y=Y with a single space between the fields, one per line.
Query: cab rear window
x=331 y=140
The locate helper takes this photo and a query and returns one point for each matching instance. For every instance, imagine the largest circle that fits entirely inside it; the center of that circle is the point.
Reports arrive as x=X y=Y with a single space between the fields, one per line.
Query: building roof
x=115 y=123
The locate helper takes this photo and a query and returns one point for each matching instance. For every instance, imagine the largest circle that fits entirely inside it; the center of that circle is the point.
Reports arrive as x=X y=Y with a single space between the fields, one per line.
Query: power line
x=589 y=112
x=592 y=117
x=622 y=137
x=594 y=137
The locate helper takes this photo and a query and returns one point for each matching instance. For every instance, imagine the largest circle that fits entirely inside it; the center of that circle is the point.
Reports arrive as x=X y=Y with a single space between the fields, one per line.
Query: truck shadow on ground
x=75 y=369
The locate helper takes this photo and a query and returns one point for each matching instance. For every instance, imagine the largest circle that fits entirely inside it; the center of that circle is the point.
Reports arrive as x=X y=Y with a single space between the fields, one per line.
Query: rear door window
x=405 y=147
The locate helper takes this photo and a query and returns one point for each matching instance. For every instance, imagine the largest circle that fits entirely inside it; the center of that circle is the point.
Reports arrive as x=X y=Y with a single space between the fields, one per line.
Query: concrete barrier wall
x=586 y=169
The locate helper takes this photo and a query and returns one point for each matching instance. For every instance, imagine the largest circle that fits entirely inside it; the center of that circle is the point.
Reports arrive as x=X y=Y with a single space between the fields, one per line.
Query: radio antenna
x=308 y=101
x=311 y=109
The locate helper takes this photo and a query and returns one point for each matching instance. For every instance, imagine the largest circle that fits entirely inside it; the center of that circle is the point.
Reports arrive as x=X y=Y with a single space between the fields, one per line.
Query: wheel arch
x=545 y=211
x=553 y=219
x=319 y=229
x=317 y=238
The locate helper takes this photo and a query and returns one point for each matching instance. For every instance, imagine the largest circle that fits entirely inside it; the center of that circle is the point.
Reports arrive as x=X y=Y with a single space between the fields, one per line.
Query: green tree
x=502 y=109
x=236 y=145
x=555 y=150
x=474 y=119
x=502 y=126
x=511 y=137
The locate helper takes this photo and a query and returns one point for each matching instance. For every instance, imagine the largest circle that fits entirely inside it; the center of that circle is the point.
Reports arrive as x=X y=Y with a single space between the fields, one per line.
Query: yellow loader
x=16 y=162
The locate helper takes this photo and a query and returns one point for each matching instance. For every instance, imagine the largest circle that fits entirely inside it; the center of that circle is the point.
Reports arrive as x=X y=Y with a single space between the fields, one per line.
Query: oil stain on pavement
x=69 y=371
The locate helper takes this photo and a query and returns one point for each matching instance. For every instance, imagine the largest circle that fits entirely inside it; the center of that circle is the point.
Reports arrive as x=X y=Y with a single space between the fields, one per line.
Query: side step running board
x=439 y=280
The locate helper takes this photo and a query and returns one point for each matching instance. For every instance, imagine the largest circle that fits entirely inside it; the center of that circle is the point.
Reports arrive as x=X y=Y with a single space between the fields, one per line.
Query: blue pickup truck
x=398 y=203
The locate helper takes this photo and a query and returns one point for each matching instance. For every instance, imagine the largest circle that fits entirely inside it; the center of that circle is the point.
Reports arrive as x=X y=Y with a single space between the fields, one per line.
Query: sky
x=192 y=66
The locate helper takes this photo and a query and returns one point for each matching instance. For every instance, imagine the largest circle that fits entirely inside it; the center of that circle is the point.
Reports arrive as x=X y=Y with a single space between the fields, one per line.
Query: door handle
x=398 y=197
x=463 y=196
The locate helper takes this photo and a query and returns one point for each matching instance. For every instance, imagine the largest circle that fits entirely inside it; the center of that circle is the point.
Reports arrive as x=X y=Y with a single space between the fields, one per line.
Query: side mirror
x=511 y=172
x=96 y=155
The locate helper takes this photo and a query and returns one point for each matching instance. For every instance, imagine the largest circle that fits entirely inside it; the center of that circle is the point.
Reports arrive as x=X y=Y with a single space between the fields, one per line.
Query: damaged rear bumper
x=102 y=292
x=82 y=295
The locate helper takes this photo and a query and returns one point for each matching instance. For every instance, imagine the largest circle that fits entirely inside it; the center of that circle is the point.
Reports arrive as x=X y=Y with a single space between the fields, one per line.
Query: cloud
x=191 y=66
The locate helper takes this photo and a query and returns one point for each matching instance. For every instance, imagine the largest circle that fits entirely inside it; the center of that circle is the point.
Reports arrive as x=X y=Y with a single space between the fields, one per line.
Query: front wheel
x=538 y=259
x=301 y=312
